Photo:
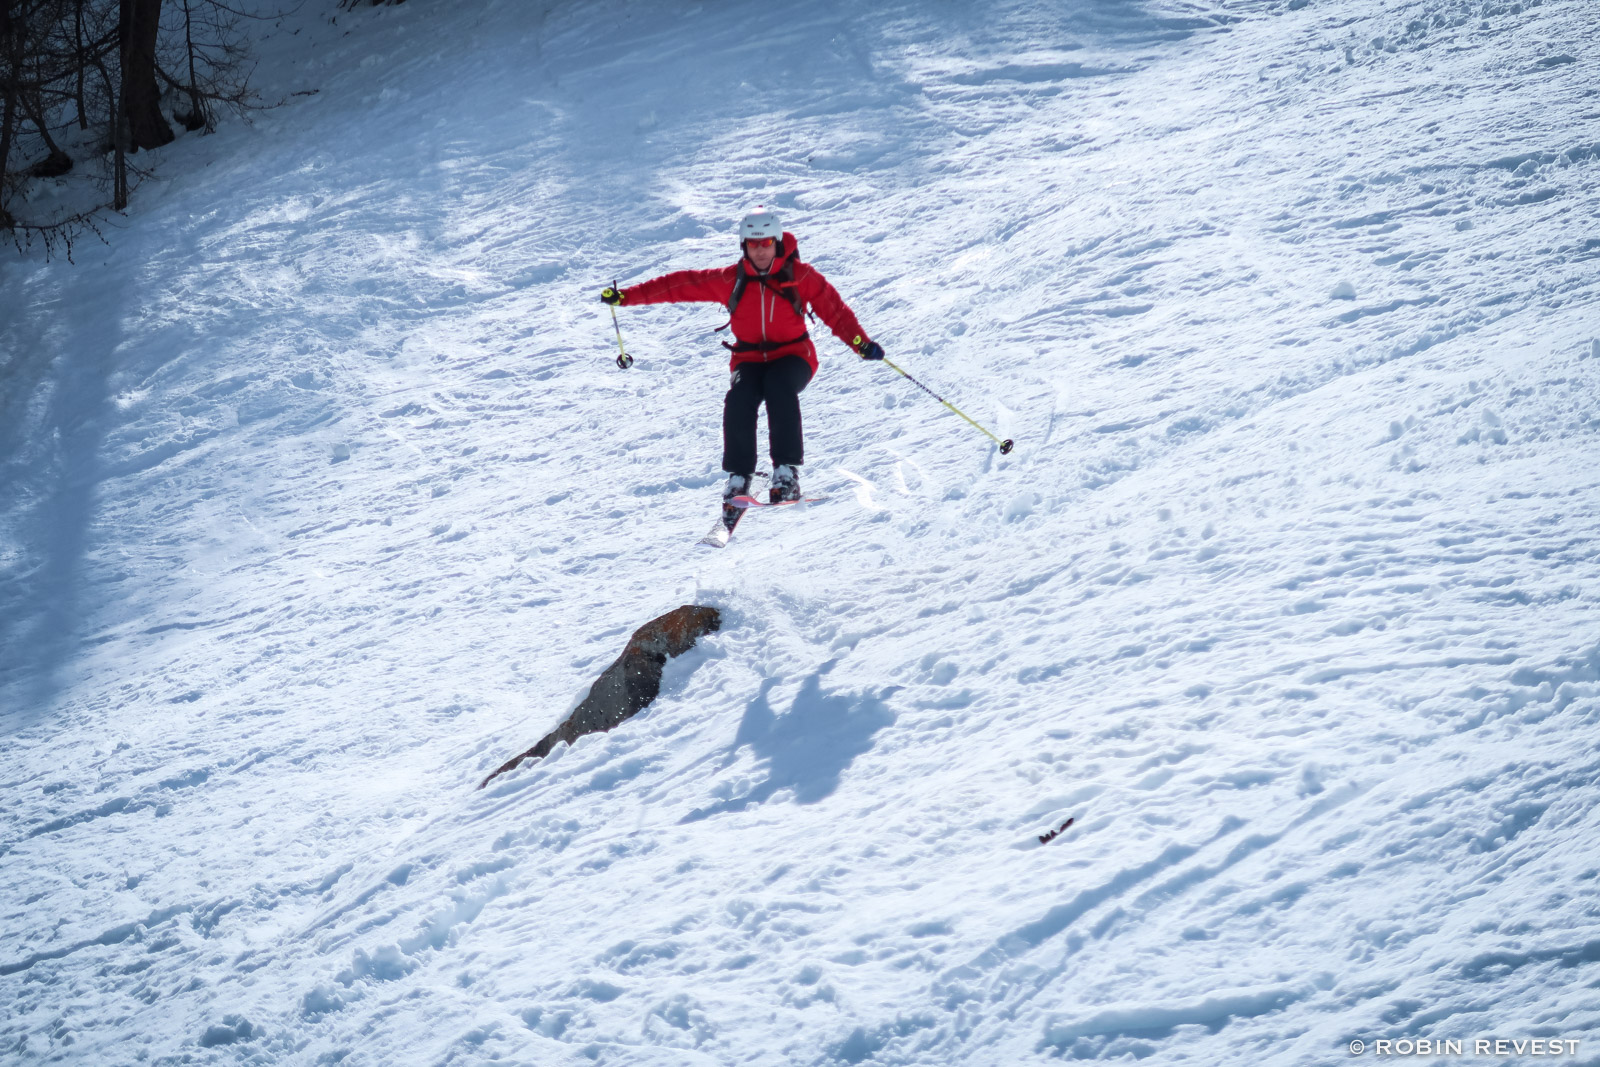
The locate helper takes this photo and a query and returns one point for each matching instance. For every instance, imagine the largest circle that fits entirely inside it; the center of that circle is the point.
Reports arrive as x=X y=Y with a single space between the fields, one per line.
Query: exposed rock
x=629 y=684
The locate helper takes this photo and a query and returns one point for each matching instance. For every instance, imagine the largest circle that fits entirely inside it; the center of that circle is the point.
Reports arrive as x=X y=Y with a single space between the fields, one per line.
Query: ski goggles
x=760 y=242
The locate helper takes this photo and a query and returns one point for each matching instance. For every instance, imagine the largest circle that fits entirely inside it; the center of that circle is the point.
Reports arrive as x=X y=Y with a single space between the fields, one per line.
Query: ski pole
x=623 y=359
x=1005 y=446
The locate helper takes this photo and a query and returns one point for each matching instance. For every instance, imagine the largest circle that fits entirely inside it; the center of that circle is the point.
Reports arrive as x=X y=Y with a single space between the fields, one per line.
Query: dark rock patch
x=629 y=684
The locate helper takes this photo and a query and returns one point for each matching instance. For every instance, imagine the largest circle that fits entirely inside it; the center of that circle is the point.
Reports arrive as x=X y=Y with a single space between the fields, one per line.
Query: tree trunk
x=6 y=222
x=119 y=140
x=10 y=74
x=197 y=118
x=80 y=61
x=141 y=108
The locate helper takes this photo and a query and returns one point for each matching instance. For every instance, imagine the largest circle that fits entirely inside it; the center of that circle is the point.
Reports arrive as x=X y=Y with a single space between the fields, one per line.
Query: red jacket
x=765 y=314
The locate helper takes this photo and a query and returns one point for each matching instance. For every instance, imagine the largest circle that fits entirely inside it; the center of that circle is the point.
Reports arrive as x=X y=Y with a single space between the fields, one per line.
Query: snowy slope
x=324 y=498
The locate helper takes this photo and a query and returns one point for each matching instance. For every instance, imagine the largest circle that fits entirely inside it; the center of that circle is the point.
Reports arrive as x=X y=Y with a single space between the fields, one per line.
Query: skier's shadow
x=807 y=748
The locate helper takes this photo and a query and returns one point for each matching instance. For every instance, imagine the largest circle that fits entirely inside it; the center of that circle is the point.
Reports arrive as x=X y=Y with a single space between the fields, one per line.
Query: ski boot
x=738 y=485
x=785 y=483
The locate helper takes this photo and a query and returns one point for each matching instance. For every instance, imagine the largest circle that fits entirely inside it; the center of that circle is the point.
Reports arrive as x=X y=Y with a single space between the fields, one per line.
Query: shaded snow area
x=324 y=497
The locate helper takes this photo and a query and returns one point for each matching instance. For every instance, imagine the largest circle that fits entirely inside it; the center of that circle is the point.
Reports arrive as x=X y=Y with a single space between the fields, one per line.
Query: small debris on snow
x=1343 y=291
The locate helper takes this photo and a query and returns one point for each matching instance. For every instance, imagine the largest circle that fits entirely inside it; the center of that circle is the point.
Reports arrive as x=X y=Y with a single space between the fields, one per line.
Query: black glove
x=611 y=296
x=870 y=350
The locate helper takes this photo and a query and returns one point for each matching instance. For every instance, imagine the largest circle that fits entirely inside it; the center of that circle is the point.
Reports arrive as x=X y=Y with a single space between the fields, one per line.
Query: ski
x=722 y=532
x=735 y=509
x=753 y=502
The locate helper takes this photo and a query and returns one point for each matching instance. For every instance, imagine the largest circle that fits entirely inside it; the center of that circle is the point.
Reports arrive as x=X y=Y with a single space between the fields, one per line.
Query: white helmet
x=760 y=223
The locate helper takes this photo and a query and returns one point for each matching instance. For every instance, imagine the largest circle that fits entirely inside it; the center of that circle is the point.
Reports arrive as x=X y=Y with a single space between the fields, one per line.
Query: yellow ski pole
x=623 y=359
x=1005 y=446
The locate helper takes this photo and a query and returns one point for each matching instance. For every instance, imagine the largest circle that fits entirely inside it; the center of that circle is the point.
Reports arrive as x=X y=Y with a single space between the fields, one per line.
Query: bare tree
x=38 y=60
x=103 y=66
x=217 y=61
x=199 y=116
x=30 y=60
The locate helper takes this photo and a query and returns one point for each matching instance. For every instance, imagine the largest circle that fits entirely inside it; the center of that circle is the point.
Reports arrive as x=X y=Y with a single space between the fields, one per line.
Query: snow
x=325 y=497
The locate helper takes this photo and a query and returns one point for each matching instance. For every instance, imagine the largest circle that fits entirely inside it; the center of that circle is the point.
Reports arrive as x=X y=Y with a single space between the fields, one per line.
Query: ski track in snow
x=325 y=498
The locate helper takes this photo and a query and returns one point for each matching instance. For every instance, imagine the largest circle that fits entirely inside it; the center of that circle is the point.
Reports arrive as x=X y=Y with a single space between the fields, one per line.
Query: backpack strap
x=782 y=284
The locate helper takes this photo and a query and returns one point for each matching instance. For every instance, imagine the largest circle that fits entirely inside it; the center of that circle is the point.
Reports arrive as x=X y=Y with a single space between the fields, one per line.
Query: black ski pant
x=778 y=384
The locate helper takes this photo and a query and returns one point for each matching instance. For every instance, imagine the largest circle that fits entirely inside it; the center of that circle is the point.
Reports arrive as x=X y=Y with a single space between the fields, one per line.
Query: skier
x=766 y=293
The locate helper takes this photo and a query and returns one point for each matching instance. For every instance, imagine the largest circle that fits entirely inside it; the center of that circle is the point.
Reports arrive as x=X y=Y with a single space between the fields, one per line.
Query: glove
x=611 y=296
x=870 y=350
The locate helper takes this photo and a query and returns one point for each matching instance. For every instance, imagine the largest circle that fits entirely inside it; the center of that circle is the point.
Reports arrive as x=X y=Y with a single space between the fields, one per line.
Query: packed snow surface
x=324 y=496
